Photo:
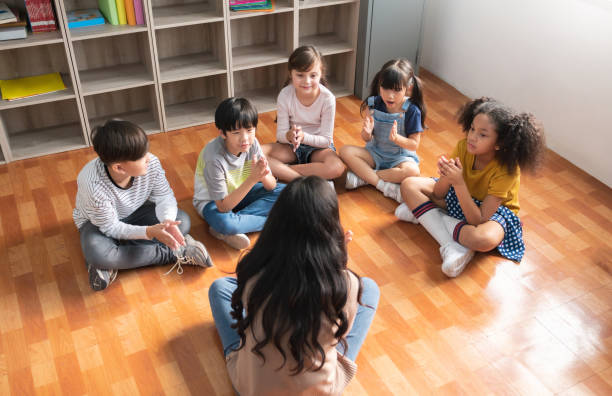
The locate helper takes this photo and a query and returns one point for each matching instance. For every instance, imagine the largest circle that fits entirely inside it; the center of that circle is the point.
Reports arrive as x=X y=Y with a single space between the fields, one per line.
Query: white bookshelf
x=169 y=73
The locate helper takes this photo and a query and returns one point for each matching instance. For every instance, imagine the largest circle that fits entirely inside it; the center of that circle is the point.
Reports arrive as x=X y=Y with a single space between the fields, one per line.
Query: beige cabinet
x=169 y=73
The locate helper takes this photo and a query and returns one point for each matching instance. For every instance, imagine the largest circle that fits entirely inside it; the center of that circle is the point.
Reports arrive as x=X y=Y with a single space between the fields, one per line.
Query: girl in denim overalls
x=391 y=130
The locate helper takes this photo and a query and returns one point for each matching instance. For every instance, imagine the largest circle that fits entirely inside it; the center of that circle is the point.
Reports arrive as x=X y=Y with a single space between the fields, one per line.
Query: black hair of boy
x=118 y=141
x=235 y=113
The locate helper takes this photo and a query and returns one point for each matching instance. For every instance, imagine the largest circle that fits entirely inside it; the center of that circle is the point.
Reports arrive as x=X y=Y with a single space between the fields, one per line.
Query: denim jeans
x=248 y=216
x=102 y=251
x=220 y=297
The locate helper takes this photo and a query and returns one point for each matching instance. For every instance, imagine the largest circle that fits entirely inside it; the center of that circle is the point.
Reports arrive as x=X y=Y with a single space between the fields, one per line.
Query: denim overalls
x=385 y=153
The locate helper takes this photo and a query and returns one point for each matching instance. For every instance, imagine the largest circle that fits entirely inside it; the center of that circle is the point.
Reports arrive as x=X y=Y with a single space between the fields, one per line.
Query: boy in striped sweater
x=126 y=212
x=234 y=189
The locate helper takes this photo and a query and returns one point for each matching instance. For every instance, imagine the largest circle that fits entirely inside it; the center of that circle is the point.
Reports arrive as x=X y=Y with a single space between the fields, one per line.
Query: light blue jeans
x=248 y=216
x=220 y=297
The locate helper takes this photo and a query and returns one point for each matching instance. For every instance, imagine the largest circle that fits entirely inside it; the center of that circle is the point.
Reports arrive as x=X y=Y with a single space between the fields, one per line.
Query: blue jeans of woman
x=220 y=297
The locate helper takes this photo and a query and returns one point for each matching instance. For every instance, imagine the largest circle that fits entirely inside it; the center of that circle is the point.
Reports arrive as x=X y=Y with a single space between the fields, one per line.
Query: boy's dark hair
x=119 y=140
x=398 y=74
x=296 y=269
x=235 y=113
x=302 y=59
x=520 y=137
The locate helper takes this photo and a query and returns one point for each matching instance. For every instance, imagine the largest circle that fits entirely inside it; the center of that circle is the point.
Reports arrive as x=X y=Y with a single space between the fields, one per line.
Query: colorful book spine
x=139 y=13
x=121 y=11
x=129 y=12
x=109 y=9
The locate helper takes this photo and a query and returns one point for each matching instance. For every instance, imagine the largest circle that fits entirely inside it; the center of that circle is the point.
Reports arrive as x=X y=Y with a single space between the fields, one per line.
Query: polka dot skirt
x=512 y=246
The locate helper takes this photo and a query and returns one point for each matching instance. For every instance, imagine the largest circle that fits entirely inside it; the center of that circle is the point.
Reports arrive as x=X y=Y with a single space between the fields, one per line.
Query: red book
x=40 y=15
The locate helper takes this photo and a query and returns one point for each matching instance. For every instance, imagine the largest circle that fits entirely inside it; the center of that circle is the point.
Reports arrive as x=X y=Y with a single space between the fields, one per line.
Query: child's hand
x=452 y=170
x=160 y=232
x=295 y=136
x=348 y=236
x=259 y=168
x=368 y=124
x=172 y=229
x=393 y=134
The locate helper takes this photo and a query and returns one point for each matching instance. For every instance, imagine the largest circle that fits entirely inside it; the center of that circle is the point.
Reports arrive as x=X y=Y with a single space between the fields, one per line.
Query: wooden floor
x=544 y=326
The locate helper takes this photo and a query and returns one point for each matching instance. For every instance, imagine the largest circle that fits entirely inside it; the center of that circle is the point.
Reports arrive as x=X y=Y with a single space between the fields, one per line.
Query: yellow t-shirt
x=494 y=179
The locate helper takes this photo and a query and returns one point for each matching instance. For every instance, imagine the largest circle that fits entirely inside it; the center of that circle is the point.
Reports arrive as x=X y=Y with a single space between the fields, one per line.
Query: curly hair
x=398 y=74
x=298 y=270
x=520 y=137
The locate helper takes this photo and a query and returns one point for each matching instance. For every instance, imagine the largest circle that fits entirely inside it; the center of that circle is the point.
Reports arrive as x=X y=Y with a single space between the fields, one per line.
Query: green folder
x=109 y=9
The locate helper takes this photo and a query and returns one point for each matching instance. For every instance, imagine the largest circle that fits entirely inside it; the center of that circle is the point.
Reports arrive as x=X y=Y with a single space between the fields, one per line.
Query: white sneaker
x=455 y=257
x=392 y=190
x=404 y=213
x=354 y=181
x=237 y=241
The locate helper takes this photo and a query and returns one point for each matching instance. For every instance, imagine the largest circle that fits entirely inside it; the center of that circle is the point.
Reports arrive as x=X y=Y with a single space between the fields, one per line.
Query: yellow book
x=121 y=11
x=19 y=88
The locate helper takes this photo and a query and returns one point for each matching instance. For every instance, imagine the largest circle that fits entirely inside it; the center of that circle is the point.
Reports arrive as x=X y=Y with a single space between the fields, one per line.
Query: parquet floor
x=541 y=327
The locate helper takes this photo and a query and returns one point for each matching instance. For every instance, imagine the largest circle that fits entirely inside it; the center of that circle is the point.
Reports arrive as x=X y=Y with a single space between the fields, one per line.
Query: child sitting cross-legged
x=233 y=188
x=126 y=212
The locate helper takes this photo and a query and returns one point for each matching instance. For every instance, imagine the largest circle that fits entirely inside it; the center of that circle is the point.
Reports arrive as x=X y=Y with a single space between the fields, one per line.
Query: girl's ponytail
x=417 y=97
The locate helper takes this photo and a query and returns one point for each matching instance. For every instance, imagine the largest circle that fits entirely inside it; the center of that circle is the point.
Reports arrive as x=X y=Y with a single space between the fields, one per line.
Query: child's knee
x=370 y=292
x=335 y=169
x=487 y=239
x=221 y=287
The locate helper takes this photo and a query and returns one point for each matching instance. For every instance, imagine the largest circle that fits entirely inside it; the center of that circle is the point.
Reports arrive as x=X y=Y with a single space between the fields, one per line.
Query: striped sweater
x=104 y=204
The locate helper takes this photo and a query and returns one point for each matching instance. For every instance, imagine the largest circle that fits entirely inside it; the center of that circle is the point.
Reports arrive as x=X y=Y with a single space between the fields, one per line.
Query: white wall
x=549 y=57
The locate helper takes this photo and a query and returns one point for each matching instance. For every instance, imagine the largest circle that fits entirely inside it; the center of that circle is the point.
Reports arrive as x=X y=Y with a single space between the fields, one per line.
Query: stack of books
x=122 y=12
x=12 y=24
x=26 y=87
x=40 y=13
x=251 y=5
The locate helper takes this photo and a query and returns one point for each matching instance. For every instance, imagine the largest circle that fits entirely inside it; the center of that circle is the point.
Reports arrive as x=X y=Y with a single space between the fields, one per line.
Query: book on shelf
x=139 y=12
x=129 y=12
x=6 y=14
x=26 y=87
x=251 y=5
x=82 y=18
x=41 y=16
x=121 y=11
x=109 y=10
x=14 y=30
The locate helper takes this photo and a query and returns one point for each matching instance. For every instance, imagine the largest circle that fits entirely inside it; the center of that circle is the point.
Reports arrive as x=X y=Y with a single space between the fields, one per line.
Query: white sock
x=450 y=223
x=433 y=222
x=380 y=185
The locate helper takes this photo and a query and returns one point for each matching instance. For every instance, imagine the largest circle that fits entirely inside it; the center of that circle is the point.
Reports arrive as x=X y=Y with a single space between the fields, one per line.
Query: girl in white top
x=305 y=122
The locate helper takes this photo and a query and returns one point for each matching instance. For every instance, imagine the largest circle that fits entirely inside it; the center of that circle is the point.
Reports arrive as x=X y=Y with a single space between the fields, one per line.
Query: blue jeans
x=220 y=297
x=102 y=251
x=248 y=216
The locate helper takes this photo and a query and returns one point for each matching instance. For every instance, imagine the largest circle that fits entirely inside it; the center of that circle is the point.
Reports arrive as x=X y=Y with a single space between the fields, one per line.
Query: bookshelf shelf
x=138 y=105
x=185 y=14
x=281 y=6
x=169 y=73
x=114 y=78
x=193 y=102
x=106 y=30
x=328 y=43
x=42 y=128
x=305 y=4
x=68 y=93
x=33 y=40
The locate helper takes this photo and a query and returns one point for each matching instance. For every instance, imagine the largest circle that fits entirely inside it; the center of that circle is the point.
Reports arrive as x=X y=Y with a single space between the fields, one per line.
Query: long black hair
x=299 y=263
x=398 y=74
x=520 y=137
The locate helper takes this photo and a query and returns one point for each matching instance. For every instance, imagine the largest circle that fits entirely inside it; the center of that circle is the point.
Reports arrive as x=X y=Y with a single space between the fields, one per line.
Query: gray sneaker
x=237 y=241
x=99 y=278
x=193 y=253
